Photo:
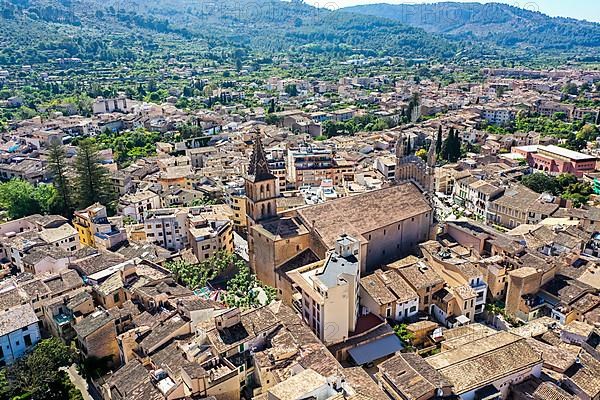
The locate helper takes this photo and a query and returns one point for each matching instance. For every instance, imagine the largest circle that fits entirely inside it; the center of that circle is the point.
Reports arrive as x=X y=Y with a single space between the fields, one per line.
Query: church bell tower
x=261 y=187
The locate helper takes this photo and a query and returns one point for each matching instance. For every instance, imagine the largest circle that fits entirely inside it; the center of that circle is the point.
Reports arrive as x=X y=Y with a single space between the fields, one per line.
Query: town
x=282 y=202
x=424 y=242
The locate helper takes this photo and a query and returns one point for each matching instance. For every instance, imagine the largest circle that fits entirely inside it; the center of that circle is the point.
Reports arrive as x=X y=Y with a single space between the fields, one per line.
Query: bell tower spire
x=261 y=186
x=259 y=167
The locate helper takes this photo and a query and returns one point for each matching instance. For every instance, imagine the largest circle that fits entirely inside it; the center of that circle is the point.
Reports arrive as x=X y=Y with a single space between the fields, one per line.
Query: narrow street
x=88 y=393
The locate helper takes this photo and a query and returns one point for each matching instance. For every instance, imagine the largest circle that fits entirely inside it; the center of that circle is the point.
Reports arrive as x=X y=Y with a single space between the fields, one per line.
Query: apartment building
x=388 y=295
x=166 y=228
x=328 y=292
x=19 y=237
x=120 y=104
x=309 y=165
x=97 y=337
x=465 y=291
x=519 y=205
x=498 y=116
x=136 y=205
x=209 y=233
x=476 y=195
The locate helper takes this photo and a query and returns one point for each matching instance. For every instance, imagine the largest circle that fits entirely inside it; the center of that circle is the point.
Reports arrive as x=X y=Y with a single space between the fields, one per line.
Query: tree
x=588 y=133
x=404 y=335
x=451 y=147
x=422 y=153
x=38 y=375
x=578 y=192
x=272 y=119
x=291 y=90
x=244 y=290
x=195 y=276
x=57 y=163
x=438 y=141
x=271 y=106
x=20 y=198
x=541 y=183
x=92 y=178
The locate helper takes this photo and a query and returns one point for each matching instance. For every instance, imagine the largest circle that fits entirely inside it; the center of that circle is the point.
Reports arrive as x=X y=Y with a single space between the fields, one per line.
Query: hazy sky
x=581 y=9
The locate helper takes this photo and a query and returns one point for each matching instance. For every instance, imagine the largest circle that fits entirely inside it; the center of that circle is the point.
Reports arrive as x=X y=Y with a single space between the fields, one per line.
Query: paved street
x=81 y=384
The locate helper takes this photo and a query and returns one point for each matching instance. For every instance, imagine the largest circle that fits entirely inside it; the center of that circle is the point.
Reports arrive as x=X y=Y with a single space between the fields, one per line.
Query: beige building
x=97 y=337
x=490 y=364
x=388 y=295
x=328 y=292
x=238 y=205
x=208 y=233
x=520 y=205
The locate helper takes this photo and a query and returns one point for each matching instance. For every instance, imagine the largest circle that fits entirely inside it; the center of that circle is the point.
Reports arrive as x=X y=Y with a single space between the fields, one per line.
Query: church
x=389 y=223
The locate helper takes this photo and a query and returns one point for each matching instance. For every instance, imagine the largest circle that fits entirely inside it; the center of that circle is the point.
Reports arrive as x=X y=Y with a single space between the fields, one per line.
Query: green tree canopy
x=244 y=289
x=38 y=374
x=20 y=198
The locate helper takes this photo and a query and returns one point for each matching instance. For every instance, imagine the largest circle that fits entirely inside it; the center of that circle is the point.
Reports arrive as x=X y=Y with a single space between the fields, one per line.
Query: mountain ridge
x=498 y=23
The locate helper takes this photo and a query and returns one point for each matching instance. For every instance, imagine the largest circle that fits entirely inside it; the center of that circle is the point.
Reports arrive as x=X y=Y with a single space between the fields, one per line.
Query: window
x=27 y=339
x=413 y=309
x=116 y=297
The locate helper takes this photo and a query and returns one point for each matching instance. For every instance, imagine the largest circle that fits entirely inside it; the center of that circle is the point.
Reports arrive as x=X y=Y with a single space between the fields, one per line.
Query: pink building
x=557 y=160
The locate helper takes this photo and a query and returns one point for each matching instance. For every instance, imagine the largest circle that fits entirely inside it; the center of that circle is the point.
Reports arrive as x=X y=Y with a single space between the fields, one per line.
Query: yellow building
x=95 y=230
x=238 y=204
x=84 y=222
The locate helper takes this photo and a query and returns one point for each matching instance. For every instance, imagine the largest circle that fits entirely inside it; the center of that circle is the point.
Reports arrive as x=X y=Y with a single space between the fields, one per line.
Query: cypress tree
x=438 y=142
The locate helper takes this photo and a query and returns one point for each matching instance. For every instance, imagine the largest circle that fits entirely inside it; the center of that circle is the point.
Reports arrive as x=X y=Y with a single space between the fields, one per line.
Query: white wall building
x=329 y=291
x=19 y=331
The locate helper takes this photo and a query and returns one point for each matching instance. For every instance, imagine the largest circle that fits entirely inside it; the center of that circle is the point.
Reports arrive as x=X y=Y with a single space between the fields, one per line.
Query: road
x=88 y=393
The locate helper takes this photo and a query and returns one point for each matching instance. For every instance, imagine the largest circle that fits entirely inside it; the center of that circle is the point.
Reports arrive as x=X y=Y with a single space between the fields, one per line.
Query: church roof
x=364 y=213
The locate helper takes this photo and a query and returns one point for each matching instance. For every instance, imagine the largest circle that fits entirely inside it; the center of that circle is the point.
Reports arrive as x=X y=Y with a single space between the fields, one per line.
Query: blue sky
x=581 y=9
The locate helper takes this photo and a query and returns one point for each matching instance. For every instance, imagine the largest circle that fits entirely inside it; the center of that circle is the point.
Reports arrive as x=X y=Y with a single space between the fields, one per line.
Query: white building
x=328 y=292
x=166 y=227
x=120 y=104
x=19 y=332
x=136 y=205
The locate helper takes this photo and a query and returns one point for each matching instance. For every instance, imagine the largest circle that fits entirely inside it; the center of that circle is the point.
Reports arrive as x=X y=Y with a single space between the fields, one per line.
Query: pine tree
x=57 y=163
x=92 y=178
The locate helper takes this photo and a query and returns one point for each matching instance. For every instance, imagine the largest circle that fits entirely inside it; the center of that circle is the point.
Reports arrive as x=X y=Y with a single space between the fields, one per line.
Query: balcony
x=63 y=319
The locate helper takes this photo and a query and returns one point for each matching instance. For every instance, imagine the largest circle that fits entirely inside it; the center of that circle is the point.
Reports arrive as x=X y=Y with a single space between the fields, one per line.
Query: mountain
x=496 y=23
x=35 y=31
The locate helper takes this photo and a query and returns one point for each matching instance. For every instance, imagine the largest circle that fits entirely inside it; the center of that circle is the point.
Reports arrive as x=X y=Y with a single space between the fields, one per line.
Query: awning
x=376 y=349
